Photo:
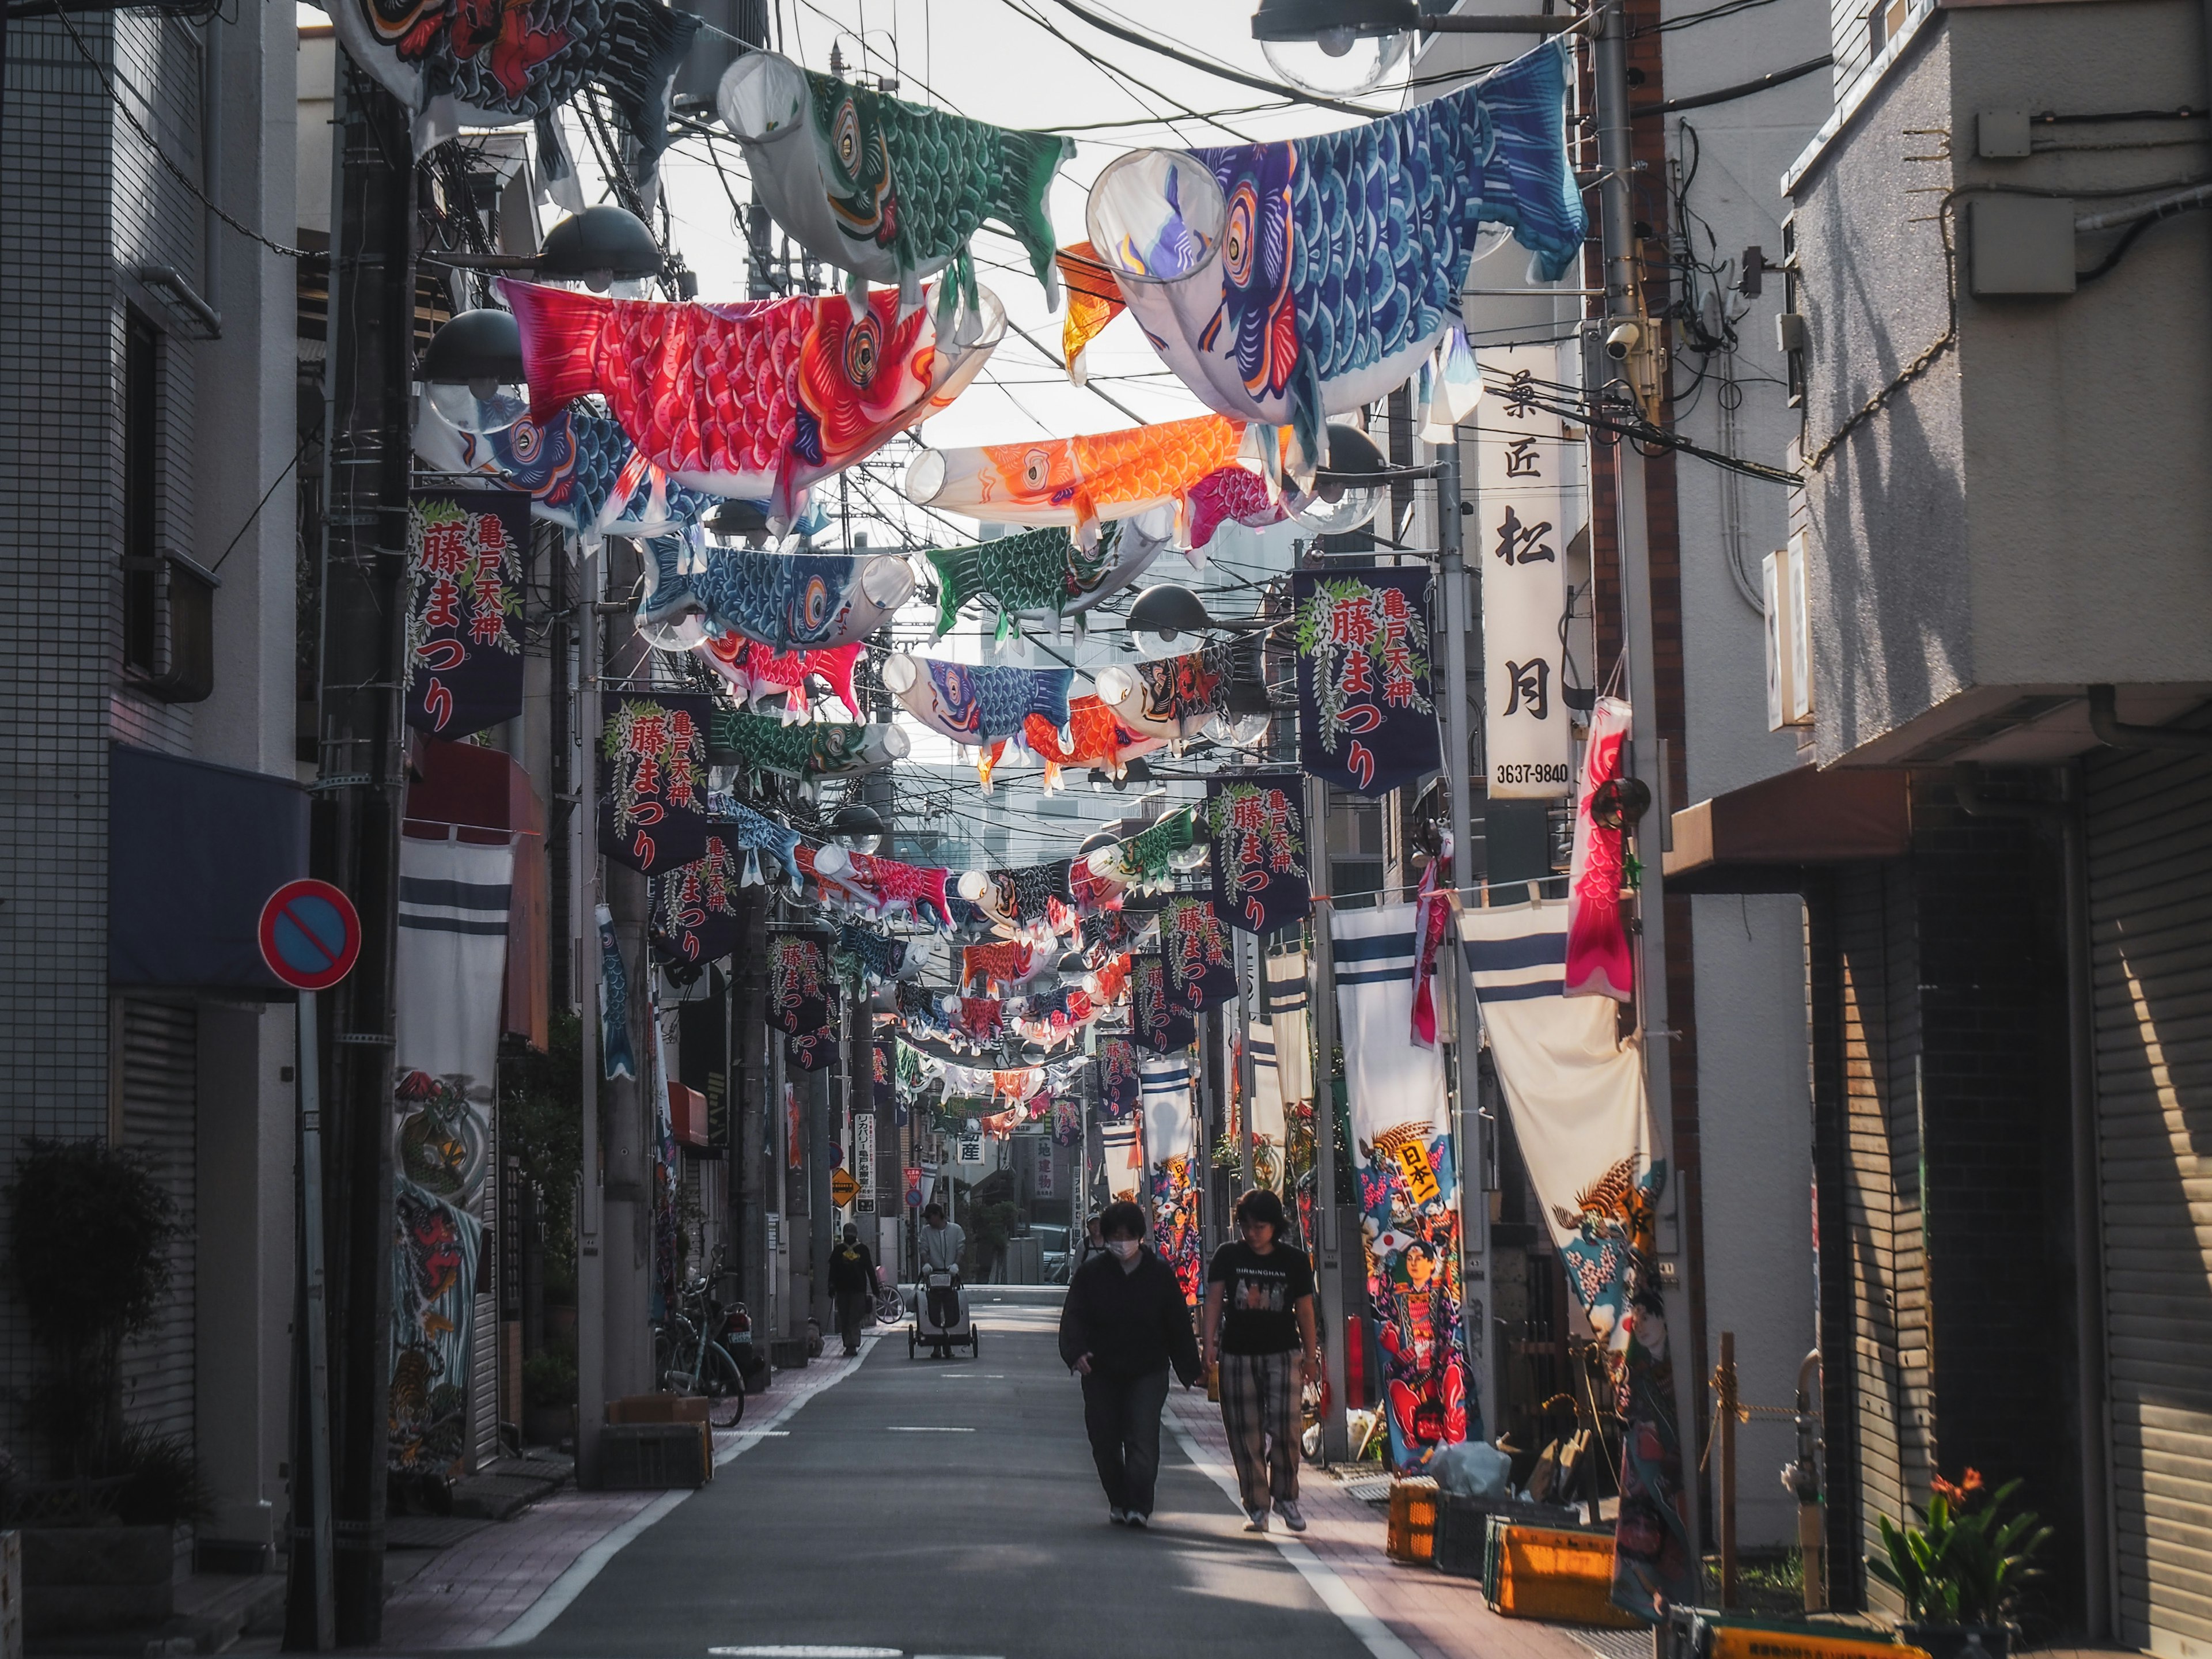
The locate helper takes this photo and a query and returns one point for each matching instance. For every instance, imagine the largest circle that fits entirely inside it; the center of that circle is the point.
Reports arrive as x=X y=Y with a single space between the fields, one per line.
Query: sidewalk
x=488 y=1585
x=1434 y=1614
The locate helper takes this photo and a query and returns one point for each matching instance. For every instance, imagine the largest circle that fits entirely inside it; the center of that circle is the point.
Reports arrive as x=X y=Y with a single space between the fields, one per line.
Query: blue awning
x=194 y=850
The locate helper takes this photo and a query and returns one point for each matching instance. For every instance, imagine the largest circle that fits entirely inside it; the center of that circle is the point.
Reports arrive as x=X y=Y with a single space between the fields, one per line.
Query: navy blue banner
x=1194 y=946
x=1154 y=1021
x=465 y=608
x=652 y=780
x=694 y=909
x=1367 y=721
x=1257 y=822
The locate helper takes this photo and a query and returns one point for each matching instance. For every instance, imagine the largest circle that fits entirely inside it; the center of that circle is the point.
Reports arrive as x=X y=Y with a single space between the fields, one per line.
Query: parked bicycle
x=688 y=1359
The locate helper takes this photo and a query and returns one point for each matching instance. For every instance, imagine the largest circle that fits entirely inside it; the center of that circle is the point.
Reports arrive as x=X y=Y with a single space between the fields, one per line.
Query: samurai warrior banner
x=433 y=1279
x=1258 y=824
x=1195 y=948
x=1155 y=1020
x=465 y=608
x=1408 y=1186
x=1599 y=1165
x=799 y=993
x=1171 y=1157
x=695 y=909
x=1367 y=722
x=652 y=780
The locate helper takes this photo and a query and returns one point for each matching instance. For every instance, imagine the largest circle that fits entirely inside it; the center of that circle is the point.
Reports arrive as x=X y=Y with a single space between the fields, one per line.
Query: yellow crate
x=1739 y=1642
x=1413 y=1534
x=1562 y=1576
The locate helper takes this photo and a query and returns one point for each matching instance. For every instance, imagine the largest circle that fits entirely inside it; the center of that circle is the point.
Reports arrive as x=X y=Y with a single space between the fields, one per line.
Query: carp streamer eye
x=845 y=135
x=863 y=349
x=524 y=439
x=1236 y=236
x=1036 y=469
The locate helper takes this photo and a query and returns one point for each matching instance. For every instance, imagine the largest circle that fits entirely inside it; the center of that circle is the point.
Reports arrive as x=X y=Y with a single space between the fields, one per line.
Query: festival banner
x=1367 y=721
x=1117 y=1076
x=694 y=909
x=1194 y=946
x=1599 y=963
x=1172 y=1167
x=1408 y=1188
x=1155 y=1020
x=463 y=670
x=616 y=1055
x=1258 y=825
x=652 y=780
x=800 y=993
x=1520 y=536
x=1598 y=1162
x=1287 y=1014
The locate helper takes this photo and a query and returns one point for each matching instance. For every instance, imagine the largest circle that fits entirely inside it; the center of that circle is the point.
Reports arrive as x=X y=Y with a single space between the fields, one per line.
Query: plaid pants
x=1259 y=1410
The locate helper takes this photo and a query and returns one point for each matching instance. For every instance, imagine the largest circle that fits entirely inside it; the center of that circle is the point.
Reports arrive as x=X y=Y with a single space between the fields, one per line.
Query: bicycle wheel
x=720 y=1381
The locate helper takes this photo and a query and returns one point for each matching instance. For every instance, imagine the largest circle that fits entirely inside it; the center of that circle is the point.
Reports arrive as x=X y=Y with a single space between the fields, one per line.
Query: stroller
x=937 y=1283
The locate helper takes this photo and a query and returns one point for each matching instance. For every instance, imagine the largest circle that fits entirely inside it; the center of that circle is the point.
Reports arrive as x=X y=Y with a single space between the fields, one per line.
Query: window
x=141 y=425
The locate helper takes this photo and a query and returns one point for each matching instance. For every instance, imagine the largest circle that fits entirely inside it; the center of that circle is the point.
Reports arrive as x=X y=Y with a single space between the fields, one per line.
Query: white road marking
x=805 y=1650
x=1336 y=1596
x=903 y=1428
x=586 y=1567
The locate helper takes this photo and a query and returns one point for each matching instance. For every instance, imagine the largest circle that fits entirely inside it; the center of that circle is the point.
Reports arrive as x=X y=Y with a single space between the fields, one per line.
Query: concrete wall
x=2076 y=423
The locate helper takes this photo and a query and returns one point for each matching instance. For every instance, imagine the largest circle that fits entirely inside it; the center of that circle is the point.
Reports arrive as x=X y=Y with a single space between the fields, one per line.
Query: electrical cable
x=1258 y=84
x=1742 y=89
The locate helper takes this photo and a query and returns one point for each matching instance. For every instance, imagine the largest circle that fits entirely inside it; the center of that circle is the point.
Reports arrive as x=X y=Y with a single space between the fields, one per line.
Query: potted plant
x=1960 y=1568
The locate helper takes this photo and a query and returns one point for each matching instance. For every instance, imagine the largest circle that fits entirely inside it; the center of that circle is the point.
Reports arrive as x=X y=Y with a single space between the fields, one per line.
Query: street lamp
x=857 y=828
x=599 y=248
x=472 y=370
x=1348 y=488
x=1164 y=617
x=1343 y=46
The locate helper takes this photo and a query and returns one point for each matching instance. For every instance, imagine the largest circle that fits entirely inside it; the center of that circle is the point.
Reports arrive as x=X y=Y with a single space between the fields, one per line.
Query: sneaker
x=1288 y=1508
x=1255 y=1520
x=1135 y=1522
x=1118 y=1518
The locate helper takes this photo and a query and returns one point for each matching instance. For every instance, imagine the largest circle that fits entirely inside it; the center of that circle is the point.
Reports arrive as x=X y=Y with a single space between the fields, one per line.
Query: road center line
x=569 y=1585
x=904 y=1428
x=1339 y=1597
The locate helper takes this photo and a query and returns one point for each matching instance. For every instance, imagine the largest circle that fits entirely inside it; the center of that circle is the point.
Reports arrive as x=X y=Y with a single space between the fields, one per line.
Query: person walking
x=1260 y=1327
x=852 y=1285
x=1123 y=1325
x=941 y=1245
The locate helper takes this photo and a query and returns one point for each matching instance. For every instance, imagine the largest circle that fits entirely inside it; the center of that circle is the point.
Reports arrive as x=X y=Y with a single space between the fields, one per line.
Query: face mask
x=1123 y=1247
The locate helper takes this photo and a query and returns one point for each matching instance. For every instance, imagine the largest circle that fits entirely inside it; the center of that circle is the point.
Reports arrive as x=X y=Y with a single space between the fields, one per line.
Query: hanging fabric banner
x=434 y=1280
x=1269 y=1130
x=1194 y=946
x=1367 y=722
x=450 y=958
x=1258 y=825
x=465 y=608
x=800 y=993
x=652 y=780
x=1171 y=1156
x=1520 y=532
x=1117 y=1077
x=975 y=704
x=1286 y=1001
x=694 y=909
x=1408 y=1184
x=617 y=1059
x=1155 y=1020
x=1599 y=963
x=1597 y=1160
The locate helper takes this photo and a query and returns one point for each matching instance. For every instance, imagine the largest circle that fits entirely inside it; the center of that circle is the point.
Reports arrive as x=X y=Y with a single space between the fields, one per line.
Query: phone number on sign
x=1528 y=772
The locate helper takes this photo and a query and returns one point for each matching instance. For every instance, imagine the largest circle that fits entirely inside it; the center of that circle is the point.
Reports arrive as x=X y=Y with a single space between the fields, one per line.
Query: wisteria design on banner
x=464 y=609
x=1258 y=827
x=695 y=909
x=1366 y=719
x=1196 y=949
x=652 y=780
x=1154 y=1020
x=799 y=989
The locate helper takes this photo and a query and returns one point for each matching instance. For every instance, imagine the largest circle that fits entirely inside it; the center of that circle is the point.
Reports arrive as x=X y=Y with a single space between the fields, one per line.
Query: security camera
x=1622 y=340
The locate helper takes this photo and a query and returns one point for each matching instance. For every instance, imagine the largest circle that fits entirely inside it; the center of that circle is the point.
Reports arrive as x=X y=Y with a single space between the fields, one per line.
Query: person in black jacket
x=1125 y=1322
x=852 y=1285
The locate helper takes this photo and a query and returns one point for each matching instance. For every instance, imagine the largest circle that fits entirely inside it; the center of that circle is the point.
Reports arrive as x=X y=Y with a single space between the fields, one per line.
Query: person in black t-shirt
x=1260 y=1323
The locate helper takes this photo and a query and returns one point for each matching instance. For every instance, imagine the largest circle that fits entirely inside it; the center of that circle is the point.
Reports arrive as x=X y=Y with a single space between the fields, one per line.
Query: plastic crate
x=1713 y=1633
x=1413 y=1534
x=1463 y=1527
x=657 y=1409
x=655 y=1456
x=1552 y=1574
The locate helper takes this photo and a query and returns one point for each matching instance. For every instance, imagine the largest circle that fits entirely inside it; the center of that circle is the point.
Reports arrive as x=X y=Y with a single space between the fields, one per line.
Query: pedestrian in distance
x=1259 y=1325
x=1123 y=1324
x=852 y=1285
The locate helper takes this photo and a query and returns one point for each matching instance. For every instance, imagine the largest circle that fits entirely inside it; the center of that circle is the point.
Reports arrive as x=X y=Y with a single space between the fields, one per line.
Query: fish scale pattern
x=1079 y=480
x=1038 y=570
x=763 y=743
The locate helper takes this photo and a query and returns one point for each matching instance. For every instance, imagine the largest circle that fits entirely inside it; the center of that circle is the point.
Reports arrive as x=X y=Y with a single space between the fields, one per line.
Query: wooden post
x=1724 y=1410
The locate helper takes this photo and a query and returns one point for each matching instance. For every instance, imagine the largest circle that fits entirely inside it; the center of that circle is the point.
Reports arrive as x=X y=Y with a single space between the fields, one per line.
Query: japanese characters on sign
x=652 y=780
x=694 y=909
x=1194 y=947
x=463 y=668
x=798 y=1000
x=864 y=1162
x=1367 y=721
x=1258 y=824
x=1519 y=535
x=1155 y=1020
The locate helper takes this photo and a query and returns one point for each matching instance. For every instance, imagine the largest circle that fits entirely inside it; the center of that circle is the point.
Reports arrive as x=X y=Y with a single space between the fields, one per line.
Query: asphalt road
x=948 y=1507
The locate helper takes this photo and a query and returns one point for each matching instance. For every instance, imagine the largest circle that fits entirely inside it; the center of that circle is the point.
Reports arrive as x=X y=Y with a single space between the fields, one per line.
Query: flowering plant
x=1963 y=1563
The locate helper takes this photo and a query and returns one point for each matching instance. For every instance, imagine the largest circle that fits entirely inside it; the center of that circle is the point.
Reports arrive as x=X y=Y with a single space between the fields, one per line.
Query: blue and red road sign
x=310 y=935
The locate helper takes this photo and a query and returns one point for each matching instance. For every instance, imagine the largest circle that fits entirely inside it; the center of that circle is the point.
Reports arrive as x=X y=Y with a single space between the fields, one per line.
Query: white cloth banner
x=1117 y=1140
x=1520 y=537
x=1286 y=1000
x=1576 y=1093
x=1392 y=1082
x=1164 y=1095
x=450 y=966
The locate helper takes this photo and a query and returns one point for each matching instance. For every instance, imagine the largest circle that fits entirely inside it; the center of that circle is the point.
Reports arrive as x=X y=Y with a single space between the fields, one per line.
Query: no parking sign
x=310 y=935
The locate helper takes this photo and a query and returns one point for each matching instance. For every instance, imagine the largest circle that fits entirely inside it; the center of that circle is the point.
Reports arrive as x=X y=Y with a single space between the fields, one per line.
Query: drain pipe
x=2105 y=714
x=2065 y=815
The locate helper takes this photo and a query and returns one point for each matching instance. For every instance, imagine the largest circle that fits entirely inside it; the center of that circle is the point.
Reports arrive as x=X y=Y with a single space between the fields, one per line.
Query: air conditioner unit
x=1789 y=638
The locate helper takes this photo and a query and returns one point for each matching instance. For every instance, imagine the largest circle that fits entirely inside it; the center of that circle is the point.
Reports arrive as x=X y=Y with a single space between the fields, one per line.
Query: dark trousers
x=852 y=1314
x=945 y=1307
x=1122 y=1414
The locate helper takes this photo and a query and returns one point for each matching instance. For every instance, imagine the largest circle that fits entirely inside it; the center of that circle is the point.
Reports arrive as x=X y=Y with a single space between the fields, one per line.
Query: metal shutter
x=158 y=1066
x=484 y=1340
x=2150 y=908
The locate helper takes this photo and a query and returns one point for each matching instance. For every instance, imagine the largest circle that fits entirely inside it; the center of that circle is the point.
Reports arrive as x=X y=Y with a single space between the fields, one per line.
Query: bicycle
x=688 y=1360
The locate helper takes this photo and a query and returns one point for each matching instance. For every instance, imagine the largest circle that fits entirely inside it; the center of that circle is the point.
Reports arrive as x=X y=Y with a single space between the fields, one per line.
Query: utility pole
x=583 y=860
x=1328 y=1246
x=360 y=752
x=1248 y=988
x=1622 y=303
x=1458 y=767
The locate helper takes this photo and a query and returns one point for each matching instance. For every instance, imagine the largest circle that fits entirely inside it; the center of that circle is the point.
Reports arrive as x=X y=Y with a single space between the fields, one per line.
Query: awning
x=194 y=850
x=1758 y=838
